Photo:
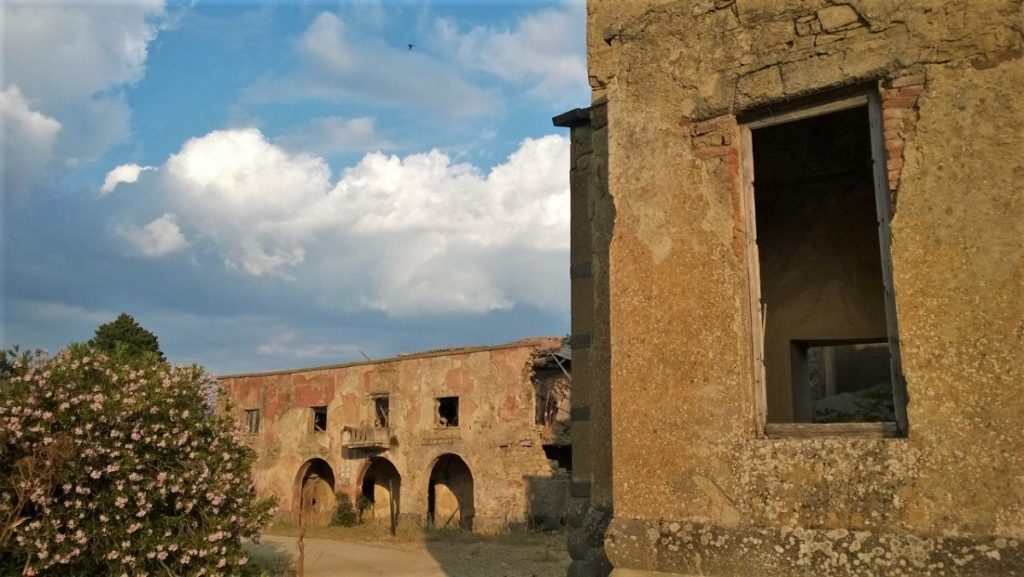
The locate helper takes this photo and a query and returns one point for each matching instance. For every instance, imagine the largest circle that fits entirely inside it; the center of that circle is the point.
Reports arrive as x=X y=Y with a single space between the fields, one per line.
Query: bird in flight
x=410 y=46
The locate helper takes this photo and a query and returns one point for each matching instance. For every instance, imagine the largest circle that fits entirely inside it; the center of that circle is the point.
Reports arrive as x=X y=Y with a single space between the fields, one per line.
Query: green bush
x=345 y=515
x=119 y=468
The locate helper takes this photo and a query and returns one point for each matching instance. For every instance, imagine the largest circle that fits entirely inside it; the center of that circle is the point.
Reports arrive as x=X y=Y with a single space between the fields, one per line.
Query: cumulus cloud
x=71 y=59
x=333 y=134
x=402 y=235
x=158 y=238
x=28 y=141
x=541 y=50
x=127 y=173
x=248 y=198
x=340 y=65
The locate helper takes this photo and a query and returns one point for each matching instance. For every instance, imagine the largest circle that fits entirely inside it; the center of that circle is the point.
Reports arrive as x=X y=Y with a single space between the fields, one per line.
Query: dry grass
x=515 y=553
x=410 y=534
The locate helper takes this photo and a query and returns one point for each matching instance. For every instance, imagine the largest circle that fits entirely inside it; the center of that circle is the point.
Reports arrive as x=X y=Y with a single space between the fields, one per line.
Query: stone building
x=471 y=437
x=798 y=289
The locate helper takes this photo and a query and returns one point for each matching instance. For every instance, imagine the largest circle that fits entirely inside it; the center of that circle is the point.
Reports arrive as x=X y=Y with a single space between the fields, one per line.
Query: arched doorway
x=450 y=493
x=315 y=488
x=381 y=488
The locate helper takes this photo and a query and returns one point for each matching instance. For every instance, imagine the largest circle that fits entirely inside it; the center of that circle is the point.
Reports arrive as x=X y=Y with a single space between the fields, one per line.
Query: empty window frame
x=319 y=419
x=447 y=411
x=381 y=411
x=252 y=421
x=825 y=337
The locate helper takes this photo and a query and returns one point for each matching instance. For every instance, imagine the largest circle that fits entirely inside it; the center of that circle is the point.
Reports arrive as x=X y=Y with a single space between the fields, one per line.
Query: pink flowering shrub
x=118 y=468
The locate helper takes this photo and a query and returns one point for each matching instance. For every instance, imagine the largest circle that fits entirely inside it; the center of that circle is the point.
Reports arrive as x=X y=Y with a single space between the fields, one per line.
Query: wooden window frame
x=871 y=99
x=253 y=416
x=312 y=416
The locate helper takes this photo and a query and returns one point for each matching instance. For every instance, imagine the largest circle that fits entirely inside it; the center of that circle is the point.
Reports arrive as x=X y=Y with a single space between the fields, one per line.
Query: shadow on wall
x=548 y=501
x=380 y=492
x=450 y=494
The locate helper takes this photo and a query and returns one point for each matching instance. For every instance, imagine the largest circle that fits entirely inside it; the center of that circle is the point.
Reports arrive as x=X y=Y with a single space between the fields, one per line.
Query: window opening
x=381 y=411
x=319 y=419
x=562 y=454
x=252 y=421
x=447 y=411
x=824 y=313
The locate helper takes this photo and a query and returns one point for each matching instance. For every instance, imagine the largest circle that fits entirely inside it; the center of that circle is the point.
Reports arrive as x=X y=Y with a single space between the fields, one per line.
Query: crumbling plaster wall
x=694 y=489
x=496 y=437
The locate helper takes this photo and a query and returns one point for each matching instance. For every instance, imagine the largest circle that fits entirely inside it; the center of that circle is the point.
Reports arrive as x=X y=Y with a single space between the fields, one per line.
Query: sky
x=271 y=185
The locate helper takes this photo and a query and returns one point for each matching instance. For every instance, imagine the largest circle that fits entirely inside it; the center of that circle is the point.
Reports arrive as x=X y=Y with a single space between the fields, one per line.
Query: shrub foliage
x=114 y=467
x=345 y=515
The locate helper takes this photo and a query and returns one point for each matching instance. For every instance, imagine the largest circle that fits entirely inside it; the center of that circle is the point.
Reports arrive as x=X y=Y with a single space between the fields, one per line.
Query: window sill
x=886 y=430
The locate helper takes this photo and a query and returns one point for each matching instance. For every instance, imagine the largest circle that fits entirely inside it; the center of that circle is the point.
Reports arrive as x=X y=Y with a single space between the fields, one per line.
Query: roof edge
x=530 y=342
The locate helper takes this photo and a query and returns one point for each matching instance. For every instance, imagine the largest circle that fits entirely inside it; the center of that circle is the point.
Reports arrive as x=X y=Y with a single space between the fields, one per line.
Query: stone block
x=836 y=17
x=759 y=85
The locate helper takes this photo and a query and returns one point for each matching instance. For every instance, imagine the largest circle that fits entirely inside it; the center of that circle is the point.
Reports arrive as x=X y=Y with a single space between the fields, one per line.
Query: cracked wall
x=949 y=498
x=497 y=436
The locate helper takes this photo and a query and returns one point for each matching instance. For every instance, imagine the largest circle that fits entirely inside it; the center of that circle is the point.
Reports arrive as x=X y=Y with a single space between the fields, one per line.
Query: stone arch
x=450 y=493
x=314 y=492
x=381 y=485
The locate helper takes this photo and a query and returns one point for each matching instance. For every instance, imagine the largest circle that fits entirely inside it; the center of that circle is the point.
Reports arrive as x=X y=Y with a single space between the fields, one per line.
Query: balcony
x=367 y=438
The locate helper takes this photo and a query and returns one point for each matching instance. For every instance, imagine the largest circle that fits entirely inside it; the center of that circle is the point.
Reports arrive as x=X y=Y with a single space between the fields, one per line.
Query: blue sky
x=273 y=185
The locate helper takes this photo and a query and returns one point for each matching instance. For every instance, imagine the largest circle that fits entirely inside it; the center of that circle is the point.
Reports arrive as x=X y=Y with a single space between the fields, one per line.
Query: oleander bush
x=118 y=466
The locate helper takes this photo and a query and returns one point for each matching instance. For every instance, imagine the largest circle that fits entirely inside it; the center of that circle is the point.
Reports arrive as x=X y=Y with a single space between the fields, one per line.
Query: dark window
x=381 y=411
x=562 y=454
x=252 y=421
x=448 y=412
x=827 y=320
x=319 y=419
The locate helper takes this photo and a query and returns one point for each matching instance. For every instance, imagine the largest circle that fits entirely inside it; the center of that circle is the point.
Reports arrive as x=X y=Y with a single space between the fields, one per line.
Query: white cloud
x=287 y=345
x=403 y=235
x=28 y=141
x=333 y=134
x=73 y=51
x=126 y=173
x=72 y=59
x=247 y=197
x=158 y=238
x=543 y=50
x=341 y=65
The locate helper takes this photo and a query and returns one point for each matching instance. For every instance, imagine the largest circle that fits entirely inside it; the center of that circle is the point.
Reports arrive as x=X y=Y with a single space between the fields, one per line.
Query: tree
x=125 y=336
x=116 y=467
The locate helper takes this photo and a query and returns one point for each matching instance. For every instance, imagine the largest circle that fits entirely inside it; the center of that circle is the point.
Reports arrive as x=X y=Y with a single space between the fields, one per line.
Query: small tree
x=124 y=336
x=116 y=468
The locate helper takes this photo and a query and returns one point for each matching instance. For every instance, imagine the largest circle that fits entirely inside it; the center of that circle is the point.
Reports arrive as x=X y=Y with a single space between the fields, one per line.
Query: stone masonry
x=468 y=437
x=695 y=449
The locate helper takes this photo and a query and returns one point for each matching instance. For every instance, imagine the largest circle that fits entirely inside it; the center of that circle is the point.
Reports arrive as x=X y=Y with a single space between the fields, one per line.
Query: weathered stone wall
x=590 y=231
x=497 y=437
x=695 y=490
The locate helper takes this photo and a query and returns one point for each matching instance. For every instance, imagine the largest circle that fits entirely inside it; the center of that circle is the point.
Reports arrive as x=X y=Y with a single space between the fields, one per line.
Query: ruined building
x=475 y=438
x=798 y=289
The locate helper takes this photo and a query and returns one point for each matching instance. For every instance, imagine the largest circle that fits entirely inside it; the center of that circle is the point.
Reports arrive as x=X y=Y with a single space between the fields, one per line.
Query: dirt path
x=494 y=558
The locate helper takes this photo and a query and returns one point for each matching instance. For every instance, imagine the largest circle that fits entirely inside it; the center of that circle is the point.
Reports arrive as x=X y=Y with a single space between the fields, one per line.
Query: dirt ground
x=445 y=555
